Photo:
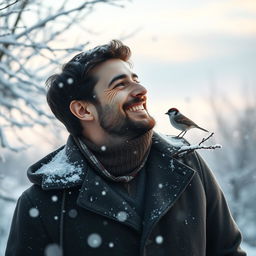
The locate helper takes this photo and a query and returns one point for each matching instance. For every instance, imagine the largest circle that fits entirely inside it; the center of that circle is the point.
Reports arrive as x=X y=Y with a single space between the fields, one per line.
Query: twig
x=9 y=5
x=207 y=138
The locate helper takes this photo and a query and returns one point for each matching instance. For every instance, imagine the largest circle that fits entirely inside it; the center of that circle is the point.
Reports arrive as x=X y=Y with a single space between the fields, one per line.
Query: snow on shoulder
x=174 y=140
x=60 y=170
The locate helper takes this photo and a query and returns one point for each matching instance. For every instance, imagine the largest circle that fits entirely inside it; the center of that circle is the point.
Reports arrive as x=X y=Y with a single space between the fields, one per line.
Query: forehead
x=109 y=69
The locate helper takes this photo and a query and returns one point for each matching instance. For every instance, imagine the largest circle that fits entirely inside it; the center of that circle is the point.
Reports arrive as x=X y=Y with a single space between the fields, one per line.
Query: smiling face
x=121 y=100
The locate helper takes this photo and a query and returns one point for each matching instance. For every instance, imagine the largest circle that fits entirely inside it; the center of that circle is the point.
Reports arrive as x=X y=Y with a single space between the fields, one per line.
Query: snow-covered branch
x=53 y=17
x=7 y=199
x=185 y=148
x=31 y=46
x=188 y=149
x=8 y=5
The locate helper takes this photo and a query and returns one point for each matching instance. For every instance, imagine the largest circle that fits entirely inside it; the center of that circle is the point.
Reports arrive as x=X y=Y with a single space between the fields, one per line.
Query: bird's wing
x=184 y=120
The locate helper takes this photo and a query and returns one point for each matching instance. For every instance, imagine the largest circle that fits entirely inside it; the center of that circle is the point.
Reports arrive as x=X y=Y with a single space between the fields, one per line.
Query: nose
x=139 y=91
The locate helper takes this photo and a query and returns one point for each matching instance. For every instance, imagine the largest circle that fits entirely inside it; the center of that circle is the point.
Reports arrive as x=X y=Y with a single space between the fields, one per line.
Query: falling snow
x=122 y=216
x=60 y=85
x=72 y=213
x=70 y=80
x=52 y=250
x=33 y=212
x=159 y=239
x=111 y=245
x=103 y=148
x=54 y=198
x=94 y=240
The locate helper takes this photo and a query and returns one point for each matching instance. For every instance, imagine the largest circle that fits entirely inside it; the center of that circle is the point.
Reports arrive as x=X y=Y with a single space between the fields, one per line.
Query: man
x=114 y=188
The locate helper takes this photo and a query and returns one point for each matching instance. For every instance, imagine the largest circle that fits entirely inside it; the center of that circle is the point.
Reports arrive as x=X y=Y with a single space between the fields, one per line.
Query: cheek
x=113 y=95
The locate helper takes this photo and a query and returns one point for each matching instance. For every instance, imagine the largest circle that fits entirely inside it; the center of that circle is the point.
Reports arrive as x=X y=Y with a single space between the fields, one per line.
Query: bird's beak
x=166 y=113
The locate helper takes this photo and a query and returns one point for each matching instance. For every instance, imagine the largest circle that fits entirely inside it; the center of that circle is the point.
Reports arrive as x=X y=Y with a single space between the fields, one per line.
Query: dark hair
x=76 y=83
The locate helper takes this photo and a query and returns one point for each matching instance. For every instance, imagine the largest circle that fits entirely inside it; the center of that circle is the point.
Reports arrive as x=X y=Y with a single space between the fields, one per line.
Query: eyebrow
x=121 y=76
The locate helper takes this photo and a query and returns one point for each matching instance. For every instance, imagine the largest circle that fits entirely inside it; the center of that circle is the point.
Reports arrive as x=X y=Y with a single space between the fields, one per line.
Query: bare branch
x=8 y=199
x=15 y=25
x=4 y=143
x=207 y=138
x=5 y=7
x=43 y=22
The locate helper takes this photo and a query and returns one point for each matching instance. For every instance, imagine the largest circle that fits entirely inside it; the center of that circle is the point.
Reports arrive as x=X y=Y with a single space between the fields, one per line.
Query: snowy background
x=198 y=56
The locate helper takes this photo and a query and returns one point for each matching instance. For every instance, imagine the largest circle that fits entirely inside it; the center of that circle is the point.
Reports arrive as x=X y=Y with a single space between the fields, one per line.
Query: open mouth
x=136 y=107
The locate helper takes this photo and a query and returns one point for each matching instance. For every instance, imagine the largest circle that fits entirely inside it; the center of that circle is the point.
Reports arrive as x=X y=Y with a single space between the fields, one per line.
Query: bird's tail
x=201 y=128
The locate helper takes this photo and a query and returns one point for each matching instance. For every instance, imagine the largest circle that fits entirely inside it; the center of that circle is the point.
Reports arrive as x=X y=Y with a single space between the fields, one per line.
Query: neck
x=100 y=137
x=118 y=160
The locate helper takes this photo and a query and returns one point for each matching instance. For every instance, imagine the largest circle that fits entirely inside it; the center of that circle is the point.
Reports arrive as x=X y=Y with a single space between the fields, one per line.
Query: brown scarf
x=118 y=163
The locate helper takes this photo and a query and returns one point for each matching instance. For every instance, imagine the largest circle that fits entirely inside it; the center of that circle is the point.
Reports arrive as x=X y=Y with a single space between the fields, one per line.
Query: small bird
x=181 y=122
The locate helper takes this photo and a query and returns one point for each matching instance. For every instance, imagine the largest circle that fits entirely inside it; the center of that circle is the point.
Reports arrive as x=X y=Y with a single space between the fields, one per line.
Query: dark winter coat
x=185 y=211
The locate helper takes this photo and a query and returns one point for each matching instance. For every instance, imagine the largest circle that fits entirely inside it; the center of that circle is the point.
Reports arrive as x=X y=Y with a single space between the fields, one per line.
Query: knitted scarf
x=119 y=163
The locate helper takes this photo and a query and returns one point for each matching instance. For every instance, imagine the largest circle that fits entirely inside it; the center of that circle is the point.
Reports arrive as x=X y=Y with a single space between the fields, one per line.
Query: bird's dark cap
x=172 y=110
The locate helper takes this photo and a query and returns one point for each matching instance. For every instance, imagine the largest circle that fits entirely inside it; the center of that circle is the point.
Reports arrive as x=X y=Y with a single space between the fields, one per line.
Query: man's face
x=122 y=100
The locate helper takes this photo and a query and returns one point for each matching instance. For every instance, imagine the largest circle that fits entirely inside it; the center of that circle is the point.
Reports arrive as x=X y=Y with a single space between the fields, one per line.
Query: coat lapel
x=167 y=179
x=97 y=196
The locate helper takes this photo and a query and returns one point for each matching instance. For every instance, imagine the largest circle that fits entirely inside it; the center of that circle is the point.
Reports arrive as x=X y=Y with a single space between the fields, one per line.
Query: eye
x=122 y=84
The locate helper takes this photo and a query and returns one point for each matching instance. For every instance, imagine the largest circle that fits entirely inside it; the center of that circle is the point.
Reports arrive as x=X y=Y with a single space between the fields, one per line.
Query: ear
x=82 y=110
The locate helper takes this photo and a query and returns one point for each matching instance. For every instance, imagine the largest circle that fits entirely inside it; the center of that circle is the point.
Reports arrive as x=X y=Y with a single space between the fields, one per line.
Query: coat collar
x=61 y=169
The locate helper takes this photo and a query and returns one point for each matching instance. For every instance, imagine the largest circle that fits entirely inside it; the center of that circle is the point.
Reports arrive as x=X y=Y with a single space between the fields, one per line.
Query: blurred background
x=198 y=56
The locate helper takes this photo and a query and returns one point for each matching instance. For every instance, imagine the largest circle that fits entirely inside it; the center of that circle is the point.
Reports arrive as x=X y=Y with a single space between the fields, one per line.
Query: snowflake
x=94 y=240
x=33 y=212
x=122 y=216
x=70 y=80
x=159 y=239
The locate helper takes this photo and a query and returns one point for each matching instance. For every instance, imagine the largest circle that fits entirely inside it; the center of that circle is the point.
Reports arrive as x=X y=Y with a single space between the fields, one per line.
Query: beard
x=116 y=123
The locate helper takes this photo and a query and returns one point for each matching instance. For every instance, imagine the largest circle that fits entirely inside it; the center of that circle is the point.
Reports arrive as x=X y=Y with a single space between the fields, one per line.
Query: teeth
x=136 y=108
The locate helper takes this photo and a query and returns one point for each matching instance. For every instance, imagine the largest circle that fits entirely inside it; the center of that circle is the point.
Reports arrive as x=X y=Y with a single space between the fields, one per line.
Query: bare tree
x=32 y=42
x=236 y=163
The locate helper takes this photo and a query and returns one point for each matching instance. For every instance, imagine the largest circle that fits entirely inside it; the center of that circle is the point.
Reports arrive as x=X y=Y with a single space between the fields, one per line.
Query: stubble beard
x=120 y=125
